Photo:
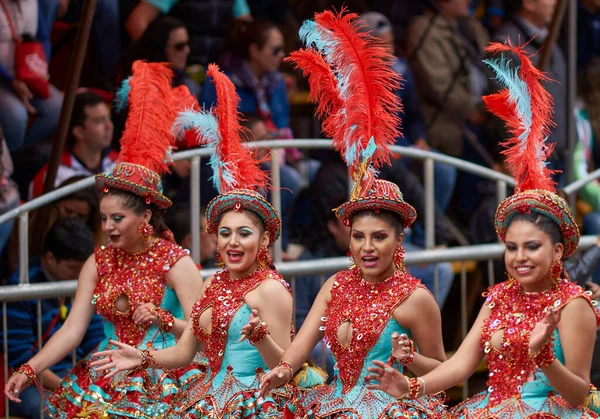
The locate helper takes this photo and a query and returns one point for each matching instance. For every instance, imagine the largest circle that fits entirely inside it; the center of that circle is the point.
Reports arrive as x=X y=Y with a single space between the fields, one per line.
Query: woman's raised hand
x=543 y=330
x=253 y=322
x=402 y=346
x=385 y=378
x=112 y=361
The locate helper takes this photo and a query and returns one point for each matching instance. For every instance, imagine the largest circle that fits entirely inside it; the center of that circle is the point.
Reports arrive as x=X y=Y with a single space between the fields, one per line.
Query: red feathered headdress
x=147 y=141
x=526 y=108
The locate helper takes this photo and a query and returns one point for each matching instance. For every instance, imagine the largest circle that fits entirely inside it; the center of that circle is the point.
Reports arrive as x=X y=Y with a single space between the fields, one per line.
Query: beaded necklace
x=516 y=313
x=226 y=296
x=141 y=277
x=368 y=307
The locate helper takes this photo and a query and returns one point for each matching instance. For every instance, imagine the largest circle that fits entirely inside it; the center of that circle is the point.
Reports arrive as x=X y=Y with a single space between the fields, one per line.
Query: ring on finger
x=16 y=391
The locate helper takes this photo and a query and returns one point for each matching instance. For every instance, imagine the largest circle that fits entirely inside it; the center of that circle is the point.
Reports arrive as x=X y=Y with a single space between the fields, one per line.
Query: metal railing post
x=24 y=248
x=429 y=204
x=195 y=208
x=501 y=192
x=276 y=196
x=463 y=318
x=5 y=349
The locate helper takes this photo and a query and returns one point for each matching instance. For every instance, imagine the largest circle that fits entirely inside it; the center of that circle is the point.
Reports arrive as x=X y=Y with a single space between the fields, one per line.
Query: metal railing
x=290 y=270
x=22 y=212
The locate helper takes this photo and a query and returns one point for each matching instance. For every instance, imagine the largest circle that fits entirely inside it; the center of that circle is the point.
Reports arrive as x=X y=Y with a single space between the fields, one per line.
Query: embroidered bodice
x=368 y=308
x=516 y=313
x=140 y=277
x=225 y=296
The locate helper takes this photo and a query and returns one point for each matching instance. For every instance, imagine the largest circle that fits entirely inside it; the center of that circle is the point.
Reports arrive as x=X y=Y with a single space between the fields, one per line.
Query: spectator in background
x=253 y=66
x=88 y=150
x=528 y=22
x=83 y=204
x=24 y=117
x=106 y=36
x=413 y=128
x=207 y=22
x=179 y=222
x=444 y=47
x=9 y=193
x=66 y=247
x=165 y=40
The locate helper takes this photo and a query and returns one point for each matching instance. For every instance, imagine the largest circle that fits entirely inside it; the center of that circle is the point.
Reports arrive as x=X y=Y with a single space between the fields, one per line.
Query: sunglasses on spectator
x=277 y=50
x=180 y=46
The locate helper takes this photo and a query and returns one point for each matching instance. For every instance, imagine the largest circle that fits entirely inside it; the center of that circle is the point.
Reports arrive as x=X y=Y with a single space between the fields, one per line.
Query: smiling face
x=121 y=224
x=529 y=255
x=239 y=237
x=373 y=242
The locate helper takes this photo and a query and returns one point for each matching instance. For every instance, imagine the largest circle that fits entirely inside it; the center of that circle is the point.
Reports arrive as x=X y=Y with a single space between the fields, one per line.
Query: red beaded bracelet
x=28 y=371
x=414 y=388
x=258 y=333
x=288 y=367
x=166 y=319
x=545 y=356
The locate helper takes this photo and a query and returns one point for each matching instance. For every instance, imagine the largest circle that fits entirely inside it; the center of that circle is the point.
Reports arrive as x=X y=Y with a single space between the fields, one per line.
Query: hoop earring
x=556 y=270
x=146 y=231
x=263 y=258
x=399 y=257
x=218 y=259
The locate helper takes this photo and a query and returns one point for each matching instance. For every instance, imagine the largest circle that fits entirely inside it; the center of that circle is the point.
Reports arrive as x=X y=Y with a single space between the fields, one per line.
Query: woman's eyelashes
x=528 y=246
x=243 y=232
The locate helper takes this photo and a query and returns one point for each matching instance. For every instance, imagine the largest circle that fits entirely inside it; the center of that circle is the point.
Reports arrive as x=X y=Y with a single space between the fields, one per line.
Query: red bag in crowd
x=31 y=66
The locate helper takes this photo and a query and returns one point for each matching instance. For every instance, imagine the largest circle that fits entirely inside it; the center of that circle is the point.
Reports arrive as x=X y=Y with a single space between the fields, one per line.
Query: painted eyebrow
x=375 y=232
x=527 y=242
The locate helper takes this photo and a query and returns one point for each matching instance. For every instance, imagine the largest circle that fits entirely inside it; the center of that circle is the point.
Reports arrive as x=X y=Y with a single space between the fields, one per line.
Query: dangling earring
x=263 y=258
x=556 y=270
x=146 y=231
x=352 y=261
x=399 y=257
x=218 y=259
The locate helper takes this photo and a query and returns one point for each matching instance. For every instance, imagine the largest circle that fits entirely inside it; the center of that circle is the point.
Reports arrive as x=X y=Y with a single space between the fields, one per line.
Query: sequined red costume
x=235 y=367
x=516 y=388
x=368 y=308
x=140 y=278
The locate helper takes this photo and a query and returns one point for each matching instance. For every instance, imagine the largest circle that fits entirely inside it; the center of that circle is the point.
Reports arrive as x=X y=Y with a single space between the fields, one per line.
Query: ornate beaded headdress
x=147 y=141
x=352 y=81
x=526 y=108
x=236 y=174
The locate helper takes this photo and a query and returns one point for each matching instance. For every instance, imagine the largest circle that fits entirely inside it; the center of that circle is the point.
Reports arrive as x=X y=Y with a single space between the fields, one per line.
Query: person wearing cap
x=142 y=283
x=537 y=328
x=242 y=320
x=374 y=310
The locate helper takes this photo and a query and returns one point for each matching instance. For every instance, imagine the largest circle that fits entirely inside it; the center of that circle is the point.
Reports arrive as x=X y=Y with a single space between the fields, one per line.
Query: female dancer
x=375 y=310
x=537 y=328
x=242 y=320
x=142 y=283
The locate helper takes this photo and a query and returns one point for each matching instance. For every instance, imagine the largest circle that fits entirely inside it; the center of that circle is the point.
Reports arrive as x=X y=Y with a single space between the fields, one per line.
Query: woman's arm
x=69 y=336
x=421 y=315
x=307 y=338
x=272 y=303
x=126 y=357
x=448 y=374
x=577 y=330
x=184 y=278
